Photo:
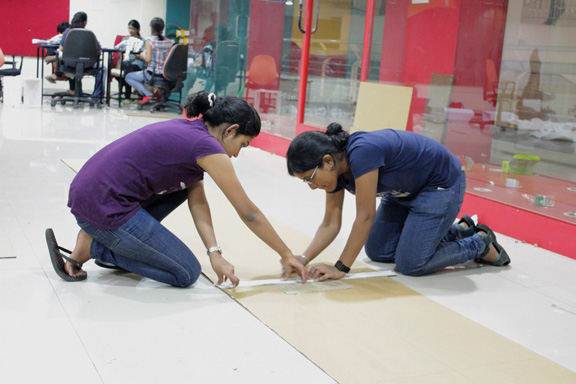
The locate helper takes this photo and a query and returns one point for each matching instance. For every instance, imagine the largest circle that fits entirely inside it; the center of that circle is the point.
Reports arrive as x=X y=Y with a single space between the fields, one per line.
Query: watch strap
x=214 y=249
x=341 y=267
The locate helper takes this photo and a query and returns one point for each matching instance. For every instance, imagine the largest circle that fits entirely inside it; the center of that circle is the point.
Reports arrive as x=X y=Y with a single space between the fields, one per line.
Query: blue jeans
x=137 y=80
x=144 y=246
x=418 y=234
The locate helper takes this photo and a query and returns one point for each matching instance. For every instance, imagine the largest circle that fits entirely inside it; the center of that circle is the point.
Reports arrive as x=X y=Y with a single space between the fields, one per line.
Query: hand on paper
x=293 y=264
x=302 y=259
x=323 y=272
x=223 y=269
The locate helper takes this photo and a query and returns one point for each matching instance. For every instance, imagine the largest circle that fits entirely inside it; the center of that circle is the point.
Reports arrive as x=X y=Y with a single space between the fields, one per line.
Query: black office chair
x=80 y=57
x=227 y=65
x=173 y=75
x=10 y=71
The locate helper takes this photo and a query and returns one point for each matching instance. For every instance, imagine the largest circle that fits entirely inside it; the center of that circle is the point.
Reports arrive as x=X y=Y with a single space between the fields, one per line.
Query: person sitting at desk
x=132 y=46
x=157 y=48
x=80 y=20
x=52 y=57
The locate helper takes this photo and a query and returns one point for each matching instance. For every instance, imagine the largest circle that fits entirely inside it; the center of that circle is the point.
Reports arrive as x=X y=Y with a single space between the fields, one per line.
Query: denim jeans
x=144 y=246
x=418 y=234
x=137 y=80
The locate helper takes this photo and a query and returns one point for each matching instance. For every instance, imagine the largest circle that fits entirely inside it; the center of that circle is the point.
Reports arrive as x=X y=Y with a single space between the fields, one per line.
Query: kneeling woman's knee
x=375 y=253
x=410 y=269
x=189 y=274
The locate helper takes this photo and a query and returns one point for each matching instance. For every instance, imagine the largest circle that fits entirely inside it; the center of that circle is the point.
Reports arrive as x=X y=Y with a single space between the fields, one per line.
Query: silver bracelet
x=214 y=249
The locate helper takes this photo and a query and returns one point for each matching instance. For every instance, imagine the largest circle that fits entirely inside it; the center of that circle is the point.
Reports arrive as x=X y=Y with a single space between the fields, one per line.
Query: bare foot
x=81 y=254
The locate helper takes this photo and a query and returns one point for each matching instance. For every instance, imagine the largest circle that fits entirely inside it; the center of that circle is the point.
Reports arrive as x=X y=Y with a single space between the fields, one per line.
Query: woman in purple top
x=123 y=192
x=422 y=188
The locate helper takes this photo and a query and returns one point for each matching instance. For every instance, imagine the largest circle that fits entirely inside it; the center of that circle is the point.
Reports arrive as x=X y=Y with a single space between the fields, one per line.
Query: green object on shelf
x=520 y=165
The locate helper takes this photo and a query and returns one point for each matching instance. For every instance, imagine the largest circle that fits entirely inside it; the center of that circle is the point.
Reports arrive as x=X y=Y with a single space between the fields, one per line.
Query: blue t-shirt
x=156 y=159
x=407 y=162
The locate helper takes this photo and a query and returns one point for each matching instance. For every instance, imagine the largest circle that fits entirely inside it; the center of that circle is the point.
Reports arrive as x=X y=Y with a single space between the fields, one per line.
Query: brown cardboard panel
x=252 y=258
x=380 y=331
x=382 y=106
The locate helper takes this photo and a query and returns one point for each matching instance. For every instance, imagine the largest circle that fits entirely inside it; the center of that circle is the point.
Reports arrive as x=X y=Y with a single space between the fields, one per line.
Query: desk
x=40 y=56
x=110 y=52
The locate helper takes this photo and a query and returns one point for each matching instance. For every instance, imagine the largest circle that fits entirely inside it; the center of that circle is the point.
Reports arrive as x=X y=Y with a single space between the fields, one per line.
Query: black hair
x=158 y=25
x=62 y=26
x=228 y=109
x=308 y=148
x=136 y=25
x=79 y=19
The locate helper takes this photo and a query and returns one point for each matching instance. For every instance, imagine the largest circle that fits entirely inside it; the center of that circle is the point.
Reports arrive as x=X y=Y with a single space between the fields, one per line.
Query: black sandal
x=489 y=238
x=466 y=232
x=58 y=258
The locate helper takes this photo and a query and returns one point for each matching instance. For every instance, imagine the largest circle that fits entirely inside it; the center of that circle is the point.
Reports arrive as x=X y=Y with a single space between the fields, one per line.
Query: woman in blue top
x=422 y=188
x=125 y=190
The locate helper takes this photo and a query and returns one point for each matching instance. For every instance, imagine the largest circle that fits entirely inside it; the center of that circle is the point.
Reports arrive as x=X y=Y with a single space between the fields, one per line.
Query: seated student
x=80 y=20
x=422 y=187
x=157 y=168
x=133 y=46
x=52 y=57
x=157 y=49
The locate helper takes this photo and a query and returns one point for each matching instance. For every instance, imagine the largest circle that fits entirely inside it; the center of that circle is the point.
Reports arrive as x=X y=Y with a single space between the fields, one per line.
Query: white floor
x=117 y=329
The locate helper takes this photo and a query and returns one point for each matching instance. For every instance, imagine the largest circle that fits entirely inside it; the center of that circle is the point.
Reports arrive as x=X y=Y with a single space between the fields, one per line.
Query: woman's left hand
x=323 y=272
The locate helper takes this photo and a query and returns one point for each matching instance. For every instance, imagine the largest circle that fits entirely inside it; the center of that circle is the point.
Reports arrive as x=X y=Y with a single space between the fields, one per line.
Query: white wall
x=108 y=18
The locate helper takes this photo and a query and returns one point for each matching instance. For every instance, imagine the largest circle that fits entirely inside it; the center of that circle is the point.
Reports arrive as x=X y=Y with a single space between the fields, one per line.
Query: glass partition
x=495 y=82
x=334 y=62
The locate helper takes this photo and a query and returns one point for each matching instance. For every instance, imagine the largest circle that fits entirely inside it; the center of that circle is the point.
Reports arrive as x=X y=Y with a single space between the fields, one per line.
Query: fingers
x=303 y=273
x=234 y=280
x=285 y=274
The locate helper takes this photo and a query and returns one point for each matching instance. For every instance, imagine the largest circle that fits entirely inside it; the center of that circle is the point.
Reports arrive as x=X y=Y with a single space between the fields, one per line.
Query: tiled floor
x=119 y=329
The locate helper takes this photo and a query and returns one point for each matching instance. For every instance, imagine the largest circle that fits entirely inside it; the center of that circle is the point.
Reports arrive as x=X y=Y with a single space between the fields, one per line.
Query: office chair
x=227 y=65
x=262 y=78
x=174 y=73
x=80 y=57
x=13 y=71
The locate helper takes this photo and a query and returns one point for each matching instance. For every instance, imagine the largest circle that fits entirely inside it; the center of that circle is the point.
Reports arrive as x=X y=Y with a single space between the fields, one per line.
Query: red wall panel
x=22 y=21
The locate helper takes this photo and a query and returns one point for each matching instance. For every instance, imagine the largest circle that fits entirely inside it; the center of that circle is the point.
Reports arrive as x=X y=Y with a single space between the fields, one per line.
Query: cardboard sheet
x=382 y=106
x=376 y=331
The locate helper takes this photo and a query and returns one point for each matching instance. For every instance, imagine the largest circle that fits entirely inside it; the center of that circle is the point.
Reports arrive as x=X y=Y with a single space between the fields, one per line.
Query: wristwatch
x=341 y=267
x=214 y=249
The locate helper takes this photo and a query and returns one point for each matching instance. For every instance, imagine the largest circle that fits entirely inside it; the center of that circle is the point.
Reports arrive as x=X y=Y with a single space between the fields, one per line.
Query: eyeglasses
x=309 y=180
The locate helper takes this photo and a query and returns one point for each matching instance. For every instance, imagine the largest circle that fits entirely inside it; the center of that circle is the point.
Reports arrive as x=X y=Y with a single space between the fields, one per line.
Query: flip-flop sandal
x=490 y=239
x=57 y=258
x=104 y=264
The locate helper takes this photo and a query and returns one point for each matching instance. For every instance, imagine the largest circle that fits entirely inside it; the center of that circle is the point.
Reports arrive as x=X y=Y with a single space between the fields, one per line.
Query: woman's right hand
x=223 y=269
x=293 y=264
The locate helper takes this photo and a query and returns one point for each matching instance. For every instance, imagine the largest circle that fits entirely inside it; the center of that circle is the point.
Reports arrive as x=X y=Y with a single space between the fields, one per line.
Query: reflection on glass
x=335 y=62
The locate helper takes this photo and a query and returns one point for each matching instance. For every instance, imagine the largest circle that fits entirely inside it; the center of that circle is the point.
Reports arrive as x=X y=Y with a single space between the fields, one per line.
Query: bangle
x=214 y=249
x=341 y=267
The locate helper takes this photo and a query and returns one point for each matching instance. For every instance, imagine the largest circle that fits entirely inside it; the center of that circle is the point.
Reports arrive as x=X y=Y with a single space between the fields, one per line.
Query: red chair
x=262 y=84
x=491 y=83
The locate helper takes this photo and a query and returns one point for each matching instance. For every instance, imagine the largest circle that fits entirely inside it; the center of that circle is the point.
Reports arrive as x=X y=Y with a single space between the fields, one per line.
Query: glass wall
x=493 y=80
